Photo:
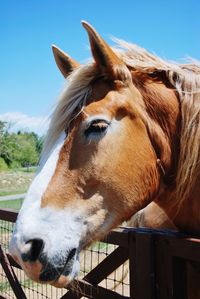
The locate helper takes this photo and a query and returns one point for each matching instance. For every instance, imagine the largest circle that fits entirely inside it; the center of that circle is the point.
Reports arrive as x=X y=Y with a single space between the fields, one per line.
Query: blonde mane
x=184 y=77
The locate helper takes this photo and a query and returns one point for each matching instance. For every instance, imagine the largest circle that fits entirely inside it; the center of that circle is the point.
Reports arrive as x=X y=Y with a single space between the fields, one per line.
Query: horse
x=123 y=141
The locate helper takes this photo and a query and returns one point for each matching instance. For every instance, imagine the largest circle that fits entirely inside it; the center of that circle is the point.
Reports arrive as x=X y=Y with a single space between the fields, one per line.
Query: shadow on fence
x=128 y=263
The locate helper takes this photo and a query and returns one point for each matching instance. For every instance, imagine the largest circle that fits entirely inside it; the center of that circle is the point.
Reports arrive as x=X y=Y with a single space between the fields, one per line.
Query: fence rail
x=157 y=263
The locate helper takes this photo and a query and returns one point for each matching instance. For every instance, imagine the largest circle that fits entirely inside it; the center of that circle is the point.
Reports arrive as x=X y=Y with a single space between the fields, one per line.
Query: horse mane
x=185 y=78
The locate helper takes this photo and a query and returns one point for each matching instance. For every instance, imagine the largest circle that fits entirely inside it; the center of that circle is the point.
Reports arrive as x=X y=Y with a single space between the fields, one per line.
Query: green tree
x=2 y=127
x=3 y=165
x=7 y=143
x=39 y=142
x=21 y=149
x=26 y=153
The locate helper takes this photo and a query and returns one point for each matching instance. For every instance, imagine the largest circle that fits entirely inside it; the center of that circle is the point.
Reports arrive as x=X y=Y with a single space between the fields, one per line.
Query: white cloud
x=23 y=122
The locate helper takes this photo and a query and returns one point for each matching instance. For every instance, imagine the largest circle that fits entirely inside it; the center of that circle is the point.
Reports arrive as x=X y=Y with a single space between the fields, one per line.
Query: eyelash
x=96 y=127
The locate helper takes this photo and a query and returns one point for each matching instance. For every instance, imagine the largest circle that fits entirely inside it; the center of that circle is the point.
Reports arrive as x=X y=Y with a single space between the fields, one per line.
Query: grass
x=99 y=246
x=12 y=204
x=25 y=169
x=21 y=169
x=15 y=181
x=5 y=286
x=13 y=192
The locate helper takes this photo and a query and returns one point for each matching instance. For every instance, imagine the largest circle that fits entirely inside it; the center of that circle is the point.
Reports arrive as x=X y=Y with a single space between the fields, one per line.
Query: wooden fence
x=157 y=265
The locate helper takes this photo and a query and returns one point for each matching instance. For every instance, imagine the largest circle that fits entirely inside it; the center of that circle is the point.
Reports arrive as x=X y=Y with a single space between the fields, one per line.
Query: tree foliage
x=22 y=148
x=3 y=165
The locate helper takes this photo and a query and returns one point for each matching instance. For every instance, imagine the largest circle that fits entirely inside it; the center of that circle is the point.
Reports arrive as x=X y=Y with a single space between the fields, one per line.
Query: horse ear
x=106 y=59
x=64 y=62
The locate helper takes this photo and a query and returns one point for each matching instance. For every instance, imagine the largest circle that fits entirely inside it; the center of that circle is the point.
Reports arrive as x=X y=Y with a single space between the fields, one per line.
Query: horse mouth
x=59 y=275
x=62 y=281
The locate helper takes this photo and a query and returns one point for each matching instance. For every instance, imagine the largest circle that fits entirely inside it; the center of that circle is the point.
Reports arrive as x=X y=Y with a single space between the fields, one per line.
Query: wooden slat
x=118 y=237
x=10 y=274
x=92 y=292
x=8 y=215
x=102 y=270
x=107 y=266
x=188 y=249
x=12 y=261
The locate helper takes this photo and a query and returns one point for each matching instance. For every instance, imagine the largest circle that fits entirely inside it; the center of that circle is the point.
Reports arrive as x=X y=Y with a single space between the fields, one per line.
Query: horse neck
x=188 y=217
x=185 y=217
x=163 y=109
x=160 y=97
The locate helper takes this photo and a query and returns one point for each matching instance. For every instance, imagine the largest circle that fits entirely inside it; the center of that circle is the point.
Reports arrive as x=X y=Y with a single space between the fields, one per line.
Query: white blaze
x=53 y=226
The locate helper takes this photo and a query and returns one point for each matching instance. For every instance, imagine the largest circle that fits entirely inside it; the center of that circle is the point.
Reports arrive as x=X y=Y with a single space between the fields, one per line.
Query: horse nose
x=32 y=250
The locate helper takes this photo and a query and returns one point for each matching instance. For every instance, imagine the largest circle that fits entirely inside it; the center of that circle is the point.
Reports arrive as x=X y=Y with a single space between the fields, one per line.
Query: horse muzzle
x=58 y=270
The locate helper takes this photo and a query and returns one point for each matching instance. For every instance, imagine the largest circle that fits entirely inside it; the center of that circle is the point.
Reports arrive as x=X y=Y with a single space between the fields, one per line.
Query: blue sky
x=29 y=79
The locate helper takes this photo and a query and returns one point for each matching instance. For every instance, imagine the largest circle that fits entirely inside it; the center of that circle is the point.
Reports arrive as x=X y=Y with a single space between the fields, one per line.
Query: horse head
x=109 y=160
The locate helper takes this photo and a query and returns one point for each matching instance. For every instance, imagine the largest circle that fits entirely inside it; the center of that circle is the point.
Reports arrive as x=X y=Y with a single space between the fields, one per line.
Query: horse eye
x=97 y=127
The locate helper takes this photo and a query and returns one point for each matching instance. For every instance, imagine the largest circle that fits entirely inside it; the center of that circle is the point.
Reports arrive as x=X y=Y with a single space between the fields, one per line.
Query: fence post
x=142 y=273
x=179 y=278
x=171 y=270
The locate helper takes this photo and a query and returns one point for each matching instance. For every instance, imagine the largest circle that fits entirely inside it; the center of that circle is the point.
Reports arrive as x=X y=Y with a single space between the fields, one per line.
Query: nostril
x=36 y=248
x=71 y=254
x=32 y=250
